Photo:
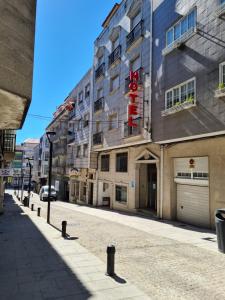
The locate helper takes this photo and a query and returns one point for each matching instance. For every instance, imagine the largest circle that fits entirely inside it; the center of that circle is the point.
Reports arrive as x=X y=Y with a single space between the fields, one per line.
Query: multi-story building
x=127 y=161
x=78 y=141
x=17 y=23
x=188 y=107
x=29 y=146
x=17 y=166
x=44 y=159
x=59 y=125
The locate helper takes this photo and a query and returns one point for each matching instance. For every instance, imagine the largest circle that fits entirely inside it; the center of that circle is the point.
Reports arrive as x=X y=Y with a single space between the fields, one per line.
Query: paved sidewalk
x=36 y=263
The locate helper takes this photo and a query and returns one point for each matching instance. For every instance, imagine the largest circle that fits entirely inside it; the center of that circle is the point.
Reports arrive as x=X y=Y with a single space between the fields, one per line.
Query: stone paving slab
x=37 y=263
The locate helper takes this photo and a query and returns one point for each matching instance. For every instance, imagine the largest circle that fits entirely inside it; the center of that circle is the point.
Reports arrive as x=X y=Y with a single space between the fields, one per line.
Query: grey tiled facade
x=199 y=57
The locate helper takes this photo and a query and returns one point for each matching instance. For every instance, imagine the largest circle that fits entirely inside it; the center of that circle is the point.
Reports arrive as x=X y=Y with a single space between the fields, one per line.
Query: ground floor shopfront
x=61 y=184
x=193 y=184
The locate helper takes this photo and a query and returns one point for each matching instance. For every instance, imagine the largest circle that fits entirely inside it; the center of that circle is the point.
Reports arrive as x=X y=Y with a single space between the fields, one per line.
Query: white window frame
x=179 y=22
x=221 y=72
x=125 y=186
x=179 y=86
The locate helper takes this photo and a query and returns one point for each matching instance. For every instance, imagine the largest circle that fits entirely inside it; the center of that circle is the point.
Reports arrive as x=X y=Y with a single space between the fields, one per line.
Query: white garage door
x=193 y=204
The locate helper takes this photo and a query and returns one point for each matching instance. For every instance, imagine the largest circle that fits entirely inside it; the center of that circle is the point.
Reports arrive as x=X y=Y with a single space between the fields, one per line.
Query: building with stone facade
x=44 y=160
x=78 y=150
x=127 y=162
x=188 y=108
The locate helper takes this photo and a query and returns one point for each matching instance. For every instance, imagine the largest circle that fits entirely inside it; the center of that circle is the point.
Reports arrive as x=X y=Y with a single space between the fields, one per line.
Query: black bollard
x=111 y=250
x=38 y=211
x=64 y=223
x=32 y=206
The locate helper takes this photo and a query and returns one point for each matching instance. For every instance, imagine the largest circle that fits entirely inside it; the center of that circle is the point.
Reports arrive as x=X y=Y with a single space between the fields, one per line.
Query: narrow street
x=163 y=267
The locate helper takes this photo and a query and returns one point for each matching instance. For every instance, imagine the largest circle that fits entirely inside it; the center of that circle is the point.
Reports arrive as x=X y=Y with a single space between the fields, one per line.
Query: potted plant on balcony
x=221 y=86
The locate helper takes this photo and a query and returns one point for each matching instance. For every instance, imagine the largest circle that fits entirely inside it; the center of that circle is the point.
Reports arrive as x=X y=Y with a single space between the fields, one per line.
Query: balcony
x=132 y=131
x=115 y=55
x=220 y=93
x=140 y=80
x=178 y=43
x=70 y=137
x=100 y=71
x=97 y=138
x=99 y=104
x=220 y=12
x=135 y=34
x=178 y=107
x=72 y=114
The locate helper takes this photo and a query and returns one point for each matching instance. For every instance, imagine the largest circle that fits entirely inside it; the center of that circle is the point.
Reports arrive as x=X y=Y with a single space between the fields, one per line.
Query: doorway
x=152 y=186
x=91 y=189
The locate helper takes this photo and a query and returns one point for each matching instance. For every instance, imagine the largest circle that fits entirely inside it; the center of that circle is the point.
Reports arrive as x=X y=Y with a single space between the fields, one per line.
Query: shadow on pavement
x=30 y=267
x=68 y=237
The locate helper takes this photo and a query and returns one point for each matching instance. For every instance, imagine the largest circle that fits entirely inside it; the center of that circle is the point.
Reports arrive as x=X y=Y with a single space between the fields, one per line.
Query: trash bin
x=25 y=201
x=220 y=229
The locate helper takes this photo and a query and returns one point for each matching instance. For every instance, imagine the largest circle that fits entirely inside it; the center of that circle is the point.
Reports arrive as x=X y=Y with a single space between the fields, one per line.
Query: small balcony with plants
x=220 y=92
x=135 y=35
x=179 y=106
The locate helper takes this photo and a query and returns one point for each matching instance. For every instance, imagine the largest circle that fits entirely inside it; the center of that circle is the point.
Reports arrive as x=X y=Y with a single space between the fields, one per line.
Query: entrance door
x=152 y=186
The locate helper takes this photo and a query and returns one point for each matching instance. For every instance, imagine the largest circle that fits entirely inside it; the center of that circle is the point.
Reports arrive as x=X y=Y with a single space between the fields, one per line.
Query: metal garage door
x=193 y=204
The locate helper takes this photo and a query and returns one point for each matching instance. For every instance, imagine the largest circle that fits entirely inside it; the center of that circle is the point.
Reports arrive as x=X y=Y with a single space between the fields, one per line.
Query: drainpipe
x=161 y=179
x=150 y=72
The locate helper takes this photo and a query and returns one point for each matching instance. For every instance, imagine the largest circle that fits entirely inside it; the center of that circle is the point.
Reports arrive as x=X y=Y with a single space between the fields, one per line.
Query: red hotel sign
x=132 y=107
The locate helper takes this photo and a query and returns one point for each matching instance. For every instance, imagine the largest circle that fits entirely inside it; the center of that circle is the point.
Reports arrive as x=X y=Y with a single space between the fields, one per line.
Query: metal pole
x=22 y=186
x=111 y=250
x=49 y=181
x=29 y=186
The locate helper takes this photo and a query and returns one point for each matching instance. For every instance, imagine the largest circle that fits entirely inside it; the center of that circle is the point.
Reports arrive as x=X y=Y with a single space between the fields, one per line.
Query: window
x=115 y=83
x=135 y=20
x=113 y=122
x=100 y=60
x=99 y=93
x=105 y=162
x=115 y=43
x=87 y=91
x=78 y=151
x=86 y=120
x=121 y=193
x=181 y=27
x=97 y=126
x=222 y=72
x=135 y=64
x=184 y=92
x=121 y=162
x=85 y=150
x=80 y=97
x=105 y=186
x=79 y=124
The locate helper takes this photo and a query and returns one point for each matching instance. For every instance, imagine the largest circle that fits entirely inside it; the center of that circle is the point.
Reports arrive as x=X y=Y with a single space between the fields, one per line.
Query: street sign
x=6 y=172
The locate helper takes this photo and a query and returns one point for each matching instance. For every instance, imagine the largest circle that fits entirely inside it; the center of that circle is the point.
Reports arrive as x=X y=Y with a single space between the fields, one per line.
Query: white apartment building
x=127 y=168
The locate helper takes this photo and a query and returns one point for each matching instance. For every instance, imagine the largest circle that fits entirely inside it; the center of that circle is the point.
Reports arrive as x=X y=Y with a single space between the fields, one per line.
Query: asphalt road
x=163 y=268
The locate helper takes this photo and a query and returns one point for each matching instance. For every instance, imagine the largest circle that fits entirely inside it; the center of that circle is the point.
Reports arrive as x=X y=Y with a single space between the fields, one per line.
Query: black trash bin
x=25 y=201
x=220 y=229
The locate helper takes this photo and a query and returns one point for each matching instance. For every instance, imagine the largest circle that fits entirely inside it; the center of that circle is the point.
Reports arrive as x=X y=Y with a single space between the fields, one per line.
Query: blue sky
x=65 y=32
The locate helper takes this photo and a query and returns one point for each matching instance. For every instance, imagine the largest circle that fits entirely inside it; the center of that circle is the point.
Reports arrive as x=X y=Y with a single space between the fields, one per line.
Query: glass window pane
x=169 y=36
x=183 y=93
x=176 y=96
x=169 y=99
x=192 y=19
x=176 y=31
x=184 y=25
x=136 y=64
x=135 y=20
x=191 y=90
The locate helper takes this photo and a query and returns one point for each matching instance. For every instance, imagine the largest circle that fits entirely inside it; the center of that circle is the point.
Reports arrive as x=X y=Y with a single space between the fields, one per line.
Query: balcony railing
x=220 y=93
x=140 y=80
x=72 y=114
x=71 y=137
x=99 y=104
x=100 y=71
x=115 y=55
x=97 y=138
x=178 y=107
x=135 y=34
x=132 y=131
x=8 y=142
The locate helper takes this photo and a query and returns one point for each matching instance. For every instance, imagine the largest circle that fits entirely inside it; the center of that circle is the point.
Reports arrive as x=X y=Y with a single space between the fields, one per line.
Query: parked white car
x=44 y=193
